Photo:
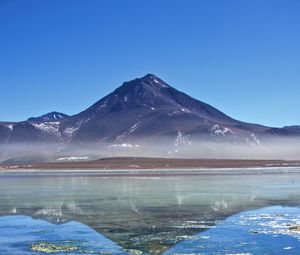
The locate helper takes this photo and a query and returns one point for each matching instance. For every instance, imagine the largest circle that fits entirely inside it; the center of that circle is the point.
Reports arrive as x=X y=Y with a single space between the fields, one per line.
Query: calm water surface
x=198 y=214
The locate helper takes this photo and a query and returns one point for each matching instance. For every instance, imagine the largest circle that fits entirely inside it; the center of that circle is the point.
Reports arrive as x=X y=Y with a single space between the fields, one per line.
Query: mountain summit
x=51 y=116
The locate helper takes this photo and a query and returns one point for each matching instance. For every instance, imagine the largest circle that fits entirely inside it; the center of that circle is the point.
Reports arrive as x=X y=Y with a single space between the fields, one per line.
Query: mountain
x=146 y=109
x=51 y=116
x=149 y=107
x=43 y=129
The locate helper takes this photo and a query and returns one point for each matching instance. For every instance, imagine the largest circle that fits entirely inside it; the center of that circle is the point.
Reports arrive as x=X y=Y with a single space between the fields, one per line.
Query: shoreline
x=135 y=166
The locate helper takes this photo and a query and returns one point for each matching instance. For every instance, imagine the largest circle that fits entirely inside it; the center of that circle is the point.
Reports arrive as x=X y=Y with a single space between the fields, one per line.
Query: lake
x=95 y=213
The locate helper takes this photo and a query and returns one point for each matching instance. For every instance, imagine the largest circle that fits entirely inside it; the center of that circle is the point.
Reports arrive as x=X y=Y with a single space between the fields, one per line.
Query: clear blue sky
x=241 y=56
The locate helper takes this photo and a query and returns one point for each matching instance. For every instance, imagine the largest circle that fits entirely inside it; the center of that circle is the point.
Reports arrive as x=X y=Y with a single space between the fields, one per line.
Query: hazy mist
x=287 y=149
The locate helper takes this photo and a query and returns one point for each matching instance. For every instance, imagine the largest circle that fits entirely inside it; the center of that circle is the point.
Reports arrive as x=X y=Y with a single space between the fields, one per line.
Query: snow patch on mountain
x=121 y=137
x=252 y=140
x=159 y=83
x=70 y=131
x=58 y=116
x=255 y=139
x=134 y=127
x=221 y=131
x=124 y=135
x=73 y=158
x=103 y=105
x=173 y=113
x=182 y=140
x=10 y=126
x=124 y=145
x=181 y=144
x=48 y=127
x=185 y=110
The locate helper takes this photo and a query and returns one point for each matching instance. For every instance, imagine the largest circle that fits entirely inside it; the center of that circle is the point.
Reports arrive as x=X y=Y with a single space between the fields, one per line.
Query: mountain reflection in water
x=24 y=235
x=146 y=215
x=270 y=230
